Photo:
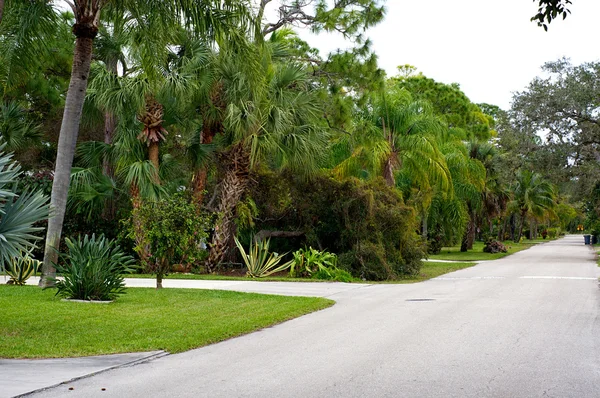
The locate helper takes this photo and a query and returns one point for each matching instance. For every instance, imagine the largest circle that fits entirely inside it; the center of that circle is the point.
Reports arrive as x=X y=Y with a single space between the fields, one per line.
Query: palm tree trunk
x=233 y=187
x=153 y=155
x=518 y=238
x=69 y=130
x=388 y=172
x=110 y=121
x=201 y=174
x=1 y=9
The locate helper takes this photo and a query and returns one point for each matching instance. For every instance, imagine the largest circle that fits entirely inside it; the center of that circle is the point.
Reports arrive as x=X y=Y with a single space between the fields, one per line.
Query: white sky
x=489 y=47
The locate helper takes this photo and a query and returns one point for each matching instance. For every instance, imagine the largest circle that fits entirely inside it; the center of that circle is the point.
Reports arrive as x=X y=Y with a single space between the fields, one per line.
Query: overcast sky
x=489 y=47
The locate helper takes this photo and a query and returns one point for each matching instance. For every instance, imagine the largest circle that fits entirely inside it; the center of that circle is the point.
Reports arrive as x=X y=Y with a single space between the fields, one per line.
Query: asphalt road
x=523 y=326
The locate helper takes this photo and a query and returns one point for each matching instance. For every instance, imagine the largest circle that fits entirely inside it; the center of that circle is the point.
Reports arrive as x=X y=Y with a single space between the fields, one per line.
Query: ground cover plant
x=174 y=320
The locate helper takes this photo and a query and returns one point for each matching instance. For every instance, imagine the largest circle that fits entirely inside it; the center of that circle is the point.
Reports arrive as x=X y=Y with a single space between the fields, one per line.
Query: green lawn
x=477 y=254
x=431 y=269
x=36 y=324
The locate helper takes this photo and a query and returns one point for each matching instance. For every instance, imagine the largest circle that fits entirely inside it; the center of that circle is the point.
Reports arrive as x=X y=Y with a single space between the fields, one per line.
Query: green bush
x=93 y=269
x=167 y=232
x=259 y=261
x=335 y=274
x=366 y=223
x=21 y=268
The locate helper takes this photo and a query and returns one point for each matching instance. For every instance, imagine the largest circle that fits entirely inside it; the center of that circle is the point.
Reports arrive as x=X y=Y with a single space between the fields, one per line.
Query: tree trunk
x=209 y=130
x=67 y=141
x=138 y=229
x=159 y=279
x=388 y=172
x=110 y=122
x=153 y=155
x=518 y=238
x=464 y=245
x=424 y=229
x=1 y=9
x=233 y=185
x=198 y=186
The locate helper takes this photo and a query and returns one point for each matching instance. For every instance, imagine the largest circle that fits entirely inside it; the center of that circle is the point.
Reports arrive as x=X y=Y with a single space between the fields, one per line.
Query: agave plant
x=259 y=261
x=21 y=268
x=93 y=269
x=18 y=213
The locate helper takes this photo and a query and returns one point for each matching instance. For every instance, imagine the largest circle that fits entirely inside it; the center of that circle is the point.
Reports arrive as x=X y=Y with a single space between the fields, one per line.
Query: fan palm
x=18 y=214
x=272 y=116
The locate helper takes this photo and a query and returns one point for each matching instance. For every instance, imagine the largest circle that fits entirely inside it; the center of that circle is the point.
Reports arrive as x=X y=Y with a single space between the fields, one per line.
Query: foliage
x=259 y=261
x=334 y=274
x=349 y=217
x=21 y=268
x=494 y=246
x=172 y=232
x=18 y=213
x=93 y=269
x=549 y=10
x=309 y=261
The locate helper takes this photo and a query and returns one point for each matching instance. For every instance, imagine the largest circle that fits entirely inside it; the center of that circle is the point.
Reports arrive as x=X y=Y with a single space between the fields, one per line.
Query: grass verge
x=477 y=254
x=36 y=324
x=431 y=269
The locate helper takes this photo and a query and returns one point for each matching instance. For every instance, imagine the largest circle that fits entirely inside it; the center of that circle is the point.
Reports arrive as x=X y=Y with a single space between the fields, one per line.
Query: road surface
x=523 y=326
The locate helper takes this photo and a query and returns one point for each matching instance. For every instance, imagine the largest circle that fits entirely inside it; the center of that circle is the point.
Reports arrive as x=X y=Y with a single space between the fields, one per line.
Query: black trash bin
x=587 y=239
x=594 y=239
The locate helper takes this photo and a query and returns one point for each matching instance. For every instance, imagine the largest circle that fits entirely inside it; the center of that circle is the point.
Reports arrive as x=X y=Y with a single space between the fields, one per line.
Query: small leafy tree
x=172 y=232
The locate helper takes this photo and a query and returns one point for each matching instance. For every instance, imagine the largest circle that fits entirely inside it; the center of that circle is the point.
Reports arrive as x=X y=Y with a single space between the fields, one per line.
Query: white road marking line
x=577 y=278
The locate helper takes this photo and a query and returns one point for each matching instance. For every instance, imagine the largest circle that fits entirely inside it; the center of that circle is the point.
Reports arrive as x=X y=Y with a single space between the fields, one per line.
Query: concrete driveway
x=523 y=326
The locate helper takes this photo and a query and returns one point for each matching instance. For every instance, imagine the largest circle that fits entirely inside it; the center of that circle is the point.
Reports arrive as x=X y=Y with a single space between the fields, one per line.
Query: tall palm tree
x=204 y=17
x=272 y=116
x=533 y=197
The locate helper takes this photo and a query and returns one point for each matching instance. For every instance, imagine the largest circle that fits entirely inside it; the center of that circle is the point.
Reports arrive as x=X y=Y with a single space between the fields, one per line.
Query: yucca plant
x=93 y=269
x=259 y=261
x=19 y=269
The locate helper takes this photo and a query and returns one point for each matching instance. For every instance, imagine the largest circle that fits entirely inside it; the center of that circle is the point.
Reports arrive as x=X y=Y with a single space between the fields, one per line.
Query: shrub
x=259 y=261
x=167 y=232
x=21 y=268
x=93 y=269
x=494 y=246
x=365 y=222
x=552 y=233
x=310 y=261
x=334 y=274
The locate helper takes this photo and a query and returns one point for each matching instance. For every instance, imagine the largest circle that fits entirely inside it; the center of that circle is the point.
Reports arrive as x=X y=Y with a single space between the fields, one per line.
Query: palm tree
x=533 y=197
x=203 y=17
x=18 y=214
x=272 y=116
x=16 y=129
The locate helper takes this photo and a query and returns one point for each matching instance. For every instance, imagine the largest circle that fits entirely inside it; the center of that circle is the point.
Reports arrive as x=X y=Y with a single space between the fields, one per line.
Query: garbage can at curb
x=587 y=239
x=594 y=239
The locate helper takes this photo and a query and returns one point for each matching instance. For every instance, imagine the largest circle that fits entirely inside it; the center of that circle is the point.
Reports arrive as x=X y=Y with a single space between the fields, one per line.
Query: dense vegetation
x=176 y=130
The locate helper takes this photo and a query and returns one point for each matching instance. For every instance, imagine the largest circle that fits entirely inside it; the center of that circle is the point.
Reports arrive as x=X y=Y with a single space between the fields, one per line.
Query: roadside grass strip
x=36 y=324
